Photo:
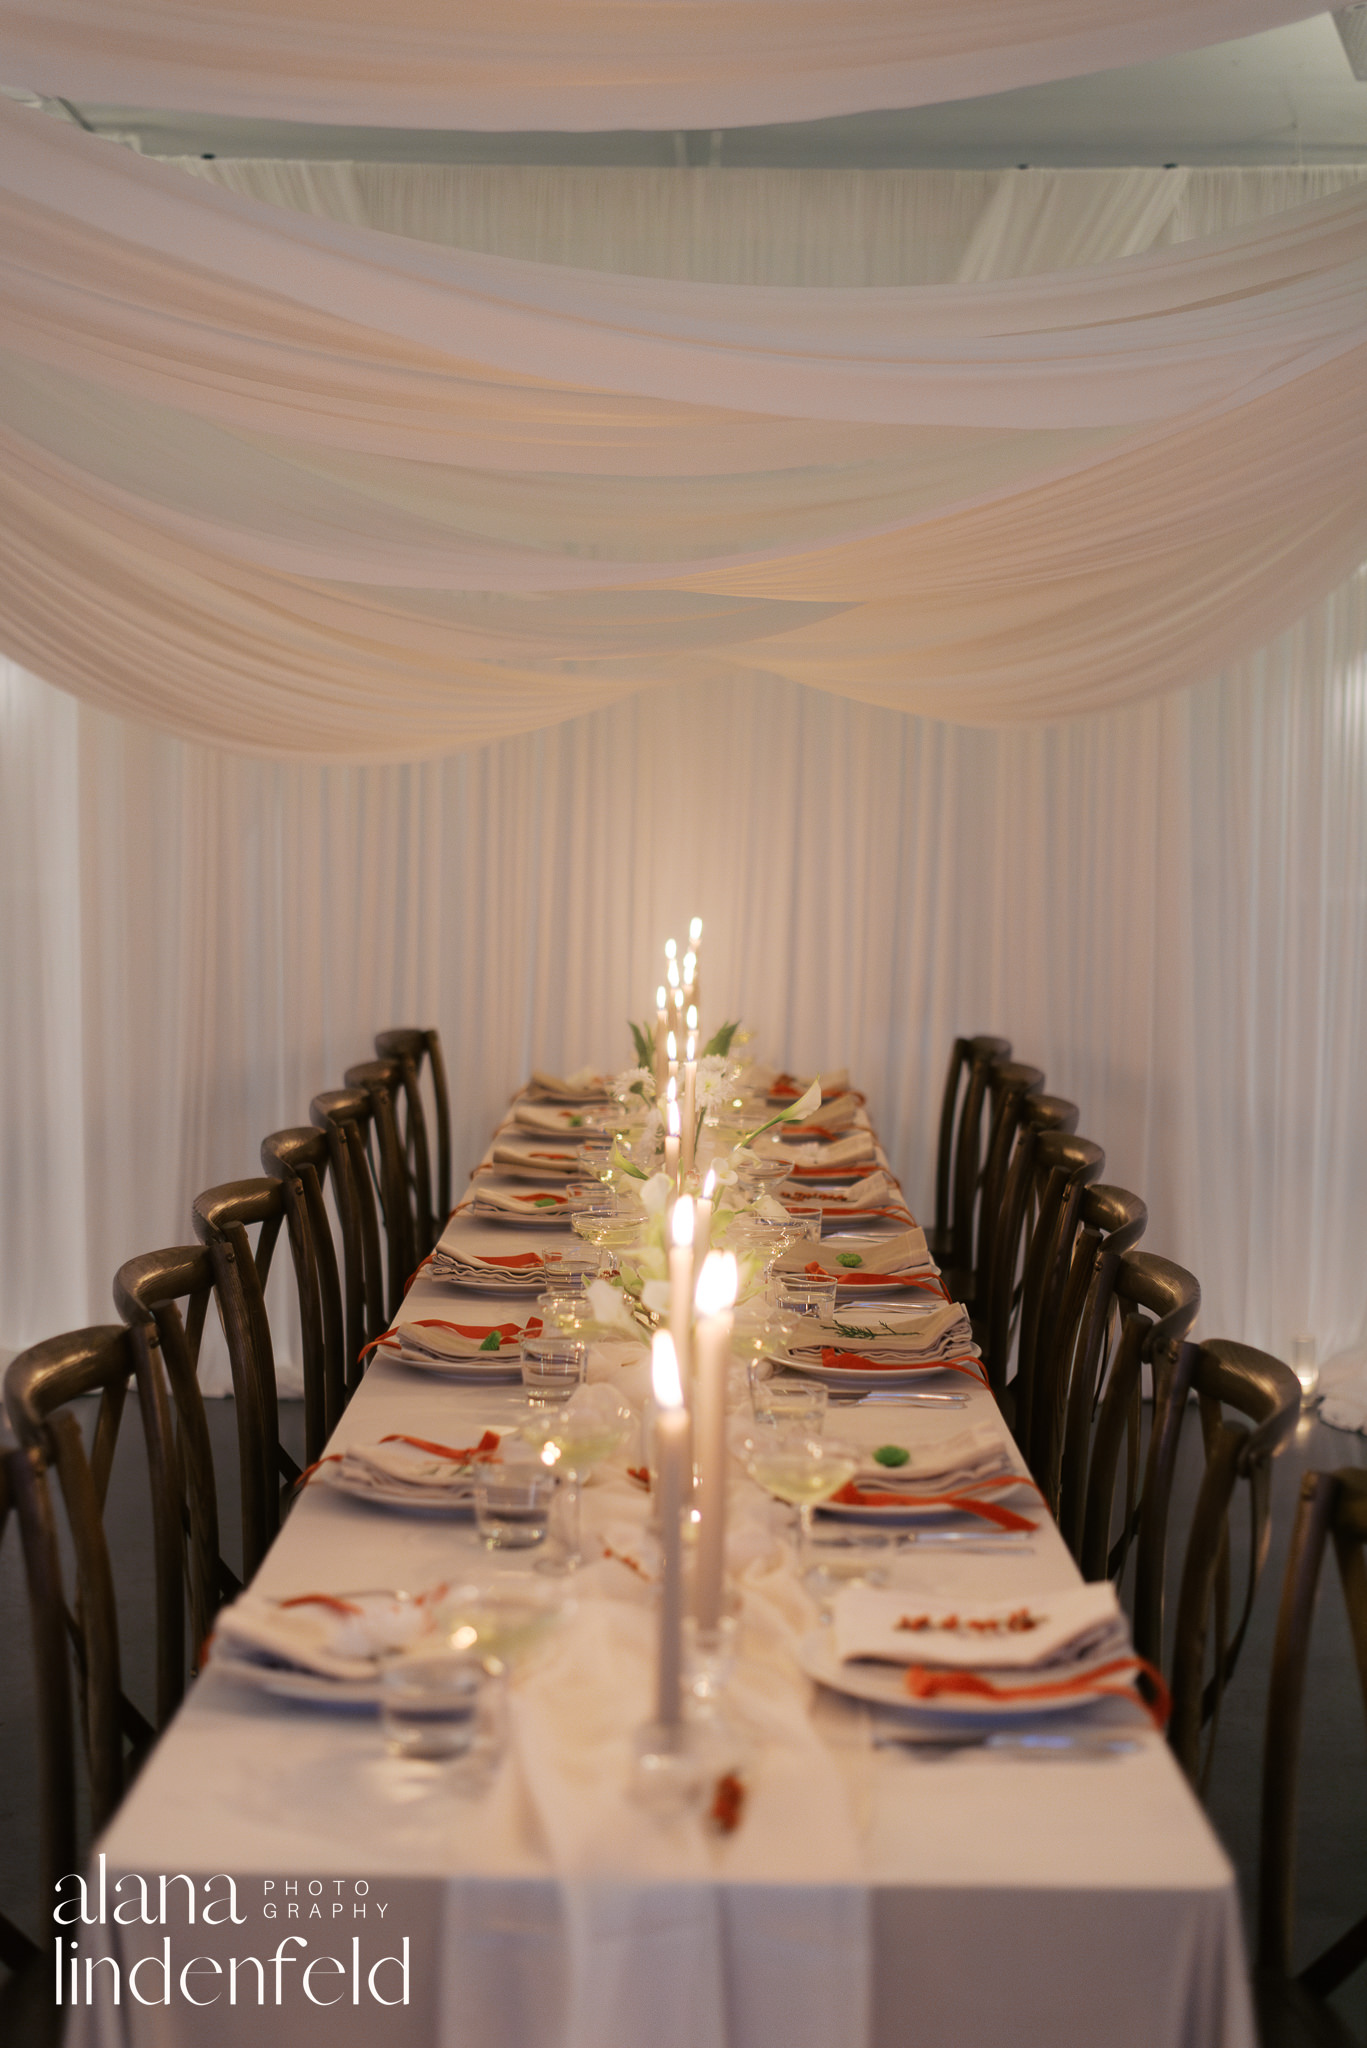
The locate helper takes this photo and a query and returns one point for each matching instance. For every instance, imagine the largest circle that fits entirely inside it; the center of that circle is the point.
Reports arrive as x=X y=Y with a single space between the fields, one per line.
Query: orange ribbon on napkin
x=474 y=1331
x=486 y=1448
x=963 y=1498
x=925 y=1683
x=856 y=1361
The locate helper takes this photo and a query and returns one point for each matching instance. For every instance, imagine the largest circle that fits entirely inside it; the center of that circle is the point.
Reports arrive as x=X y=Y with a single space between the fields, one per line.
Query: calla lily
x=655 y=1295
x=656 y=1192
x=608 y=1307
x=809 y=1100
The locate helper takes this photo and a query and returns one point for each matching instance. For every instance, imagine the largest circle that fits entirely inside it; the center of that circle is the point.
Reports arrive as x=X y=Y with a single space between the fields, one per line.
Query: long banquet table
x=868 y=1896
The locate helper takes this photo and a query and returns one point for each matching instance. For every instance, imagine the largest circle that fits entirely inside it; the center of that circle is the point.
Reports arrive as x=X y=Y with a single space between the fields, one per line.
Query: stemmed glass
x=570 y=1441
x=801 y=1469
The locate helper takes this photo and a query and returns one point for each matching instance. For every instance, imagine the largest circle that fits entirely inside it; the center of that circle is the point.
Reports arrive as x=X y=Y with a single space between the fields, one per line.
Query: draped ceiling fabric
x=297 y=485
x=1164 y=905
x=588 y=64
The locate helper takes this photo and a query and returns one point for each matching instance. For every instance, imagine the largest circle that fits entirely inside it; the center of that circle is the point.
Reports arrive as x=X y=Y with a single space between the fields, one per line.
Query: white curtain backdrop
x=585 y=64
x=1165 y=906
x=310 y=488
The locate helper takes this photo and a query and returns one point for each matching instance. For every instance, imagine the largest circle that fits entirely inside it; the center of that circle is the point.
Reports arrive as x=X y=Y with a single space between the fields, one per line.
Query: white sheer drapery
x=1165 y=907
x=297 y=485
x=585 y=64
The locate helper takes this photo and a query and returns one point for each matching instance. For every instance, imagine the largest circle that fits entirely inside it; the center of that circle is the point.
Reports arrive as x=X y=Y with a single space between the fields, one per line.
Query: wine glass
x=570 y=1441
x=801 y=1469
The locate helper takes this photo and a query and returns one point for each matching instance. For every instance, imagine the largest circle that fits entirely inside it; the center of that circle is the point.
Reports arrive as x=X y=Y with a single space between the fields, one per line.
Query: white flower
x=637 y=1081
x=655 y=1192
x=608 y=1307
x=655 y=1294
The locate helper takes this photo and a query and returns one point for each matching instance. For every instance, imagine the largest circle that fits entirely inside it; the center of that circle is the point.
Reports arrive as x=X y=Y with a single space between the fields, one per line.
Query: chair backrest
x=76 y=1635
x=1108 y=1219
x=148 y=1292
x=344 y=1117
x=298 y=1159
x=24 y=1495
x=1224 y=1376
x=1333 y=1505
x=1141 y=1309
x=382 y=1081
x=995 y=1316
x=961 y=1107
x=1065 y=1165
x=1011 y=1086
x=411 y=1046
x=40 y=1385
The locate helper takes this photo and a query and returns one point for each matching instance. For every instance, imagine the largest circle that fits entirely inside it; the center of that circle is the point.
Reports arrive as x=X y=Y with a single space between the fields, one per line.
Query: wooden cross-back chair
x=959 y=1150
x=994 y=1316
x=1292 y=2013
x=1141 y=1309
x=1266 y=1395
x=148 y=1293
x=40 y=1385
x=226 y=1215
x=382 y=1081
x=1064 y=1166
x=1011 y=1086
x=27 y=2012
x=343 y=1116
x=1103 y=1219
x=412 y=1047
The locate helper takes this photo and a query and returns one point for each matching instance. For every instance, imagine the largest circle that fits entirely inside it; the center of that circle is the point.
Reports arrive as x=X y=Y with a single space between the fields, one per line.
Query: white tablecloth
x=968 y=1900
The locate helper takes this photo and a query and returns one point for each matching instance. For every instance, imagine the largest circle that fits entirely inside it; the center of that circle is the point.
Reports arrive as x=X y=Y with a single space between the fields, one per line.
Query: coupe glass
x=801 y=1469
x=571 y=1441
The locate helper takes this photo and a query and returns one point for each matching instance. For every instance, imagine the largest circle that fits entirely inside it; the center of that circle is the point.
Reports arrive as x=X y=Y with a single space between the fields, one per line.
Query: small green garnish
x=493 y=1342
x=575 y=1122
x=544 y=1202
x=891 y=1454
x=849 y=1259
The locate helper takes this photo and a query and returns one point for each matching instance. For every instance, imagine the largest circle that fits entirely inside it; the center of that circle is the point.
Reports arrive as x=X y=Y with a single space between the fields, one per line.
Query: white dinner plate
x=305 y=1688
x=457 y=1504
x=884 y=1686
x=554 y=1218
x=863 y=1382
x=913 y=1509
x=500 y=1370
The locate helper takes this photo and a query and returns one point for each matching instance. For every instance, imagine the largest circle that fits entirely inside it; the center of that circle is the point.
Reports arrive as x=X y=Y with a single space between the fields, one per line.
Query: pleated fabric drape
x=288 y=483
x=586 y=64
x=1164 y=905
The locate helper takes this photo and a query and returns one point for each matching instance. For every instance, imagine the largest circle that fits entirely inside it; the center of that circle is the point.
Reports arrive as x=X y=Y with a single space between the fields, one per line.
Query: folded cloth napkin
x=493 y=1273
x=424 y=1469
x=584 y=1085
x=884 y=1336
x=875 y=1190
x=1022 y=1634
x=485 y=1193
x=543 y=1161
x=811 y=1162
x=787 y=1087
x=830 y=1118
x=894 y=1258
x=433 y=1337
x=345 y=1636
x=552 y=1119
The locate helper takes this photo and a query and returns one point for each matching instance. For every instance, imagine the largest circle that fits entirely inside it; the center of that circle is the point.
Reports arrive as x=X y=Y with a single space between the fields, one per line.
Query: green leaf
x=544 y=1202
x=849 y=1259
x=719 y=1044
x=493 y=1342
x=891 y=1454
x=575 y=1122
x=645 y=1045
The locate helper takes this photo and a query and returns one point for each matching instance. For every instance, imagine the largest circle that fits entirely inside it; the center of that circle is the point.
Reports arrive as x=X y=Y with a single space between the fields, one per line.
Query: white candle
x=672 y=1052
x=681 y=1283
x=716 y=1293
x=702 y=1216
x=672 y=1136
x=671 y=1476
x=690 y=1104
x=661 y=1031
x=695 y=943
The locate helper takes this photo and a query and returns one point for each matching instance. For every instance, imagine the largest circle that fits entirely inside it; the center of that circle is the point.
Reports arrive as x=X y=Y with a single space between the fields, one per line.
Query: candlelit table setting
x=701 y=1815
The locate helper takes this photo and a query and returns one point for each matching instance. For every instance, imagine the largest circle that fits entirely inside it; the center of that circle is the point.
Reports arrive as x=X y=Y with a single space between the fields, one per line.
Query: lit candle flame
x=709 y=1184
x=695 y=930
x=672 y=1046
x=673 y=976
x=672 y=1121
x=681 y=1224
x=690 y=967
x=664 y=1371
x=672 y=1089
x=692 y=1016
x=660 y=997
x=670 y=949
x=718 y=1283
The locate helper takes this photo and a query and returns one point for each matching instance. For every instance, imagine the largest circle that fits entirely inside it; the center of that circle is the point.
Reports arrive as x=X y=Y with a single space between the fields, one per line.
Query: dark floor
x=1333 y=1870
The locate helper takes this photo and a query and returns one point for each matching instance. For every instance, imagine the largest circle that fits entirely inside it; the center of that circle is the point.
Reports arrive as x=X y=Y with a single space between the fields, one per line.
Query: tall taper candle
x=681 y=1284
x=689 y=1132
x=702 y=1217
x=672 y=1490
x=716 y=1293
x=661 y=1030
x=672 y=1137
